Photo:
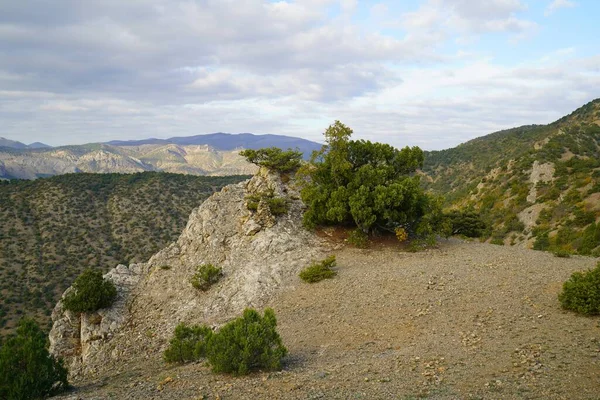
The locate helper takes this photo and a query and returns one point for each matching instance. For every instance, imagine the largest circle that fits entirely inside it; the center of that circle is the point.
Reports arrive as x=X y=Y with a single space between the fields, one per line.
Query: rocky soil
x=464 y=321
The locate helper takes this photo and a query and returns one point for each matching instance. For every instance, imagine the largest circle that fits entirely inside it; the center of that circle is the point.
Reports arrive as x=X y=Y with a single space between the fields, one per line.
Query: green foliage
x=188 y=343
x=561 y=253
x=368 y=185
x=542 y=242
x=466 y=222
x=358 y=238
x=581 y=293
x=206 y=275
x=90 y=292
x=278 y=205
x=52 y=229
x=27 y=370
x=590 y=239
x=274 y=158
x=318 y=271
x=248 y=343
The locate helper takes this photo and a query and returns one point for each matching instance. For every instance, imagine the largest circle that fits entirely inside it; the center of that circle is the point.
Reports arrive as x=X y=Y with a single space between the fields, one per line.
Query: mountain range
x=212 y=154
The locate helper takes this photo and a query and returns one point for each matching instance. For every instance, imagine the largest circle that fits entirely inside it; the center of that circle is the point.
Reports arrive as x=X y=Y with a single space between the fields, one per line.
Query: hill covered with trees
x=52 y=229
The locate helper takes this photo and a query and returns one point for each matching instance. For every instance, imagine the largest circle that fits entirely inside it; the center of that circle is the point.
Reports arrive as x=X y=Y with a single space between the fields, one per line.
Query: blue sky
x=432 y=73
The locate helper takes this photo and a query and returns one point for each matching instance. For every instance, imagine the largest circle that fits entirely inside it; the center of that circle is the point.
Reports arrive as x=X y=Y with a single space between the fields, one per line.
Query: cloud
x=93 y=71
x=558 y=4
x=468 y=17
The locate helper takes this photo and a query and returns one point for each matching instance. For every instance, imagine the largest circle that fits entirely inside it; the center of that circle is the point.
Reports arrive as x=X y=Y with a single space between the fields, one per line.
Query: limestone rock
x=259 y=253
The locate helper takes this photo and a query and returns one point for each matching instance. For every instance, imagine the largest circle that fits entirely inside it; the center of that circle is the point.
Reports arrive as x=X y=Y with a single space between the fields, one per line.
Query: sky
x=428 y=73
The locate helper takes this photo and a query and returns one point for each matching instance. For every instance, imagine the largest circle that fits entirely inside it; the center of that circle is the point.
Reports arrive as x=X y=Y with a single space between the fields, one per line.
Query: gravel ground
x=464 y=321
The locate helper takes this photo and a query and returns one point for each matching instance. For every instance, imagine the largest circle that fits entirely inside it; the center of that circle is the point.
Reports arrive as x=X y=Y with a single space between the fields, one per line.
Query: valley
x=52 y=229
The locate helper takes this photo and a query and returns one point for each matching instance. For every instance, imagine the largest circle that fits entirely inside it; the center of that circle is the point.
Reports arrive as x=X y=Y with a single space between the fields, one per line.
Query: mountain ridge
x=515 y=177
x=214 y=154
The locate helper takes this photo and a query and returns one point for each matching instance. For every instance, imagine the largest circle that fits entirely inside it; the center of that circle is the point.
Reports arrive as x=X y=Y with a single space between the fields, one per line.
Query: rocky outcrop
x=260 y=253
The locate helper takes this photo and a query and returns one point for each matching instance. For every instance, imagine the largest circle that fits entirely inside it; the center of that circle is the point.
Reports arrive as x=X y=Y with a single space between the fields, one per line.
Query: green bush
x=542 y=242
x=274 y=158
x=90 y=292
x=246 y=344
x=581 y=293
x=466 y=222
x=27 y=370
x=188 y=343
x=278 y=205
x=372 y=186
x=318 y=271
x=206 y=276
x=562 y=253
x=358 y=238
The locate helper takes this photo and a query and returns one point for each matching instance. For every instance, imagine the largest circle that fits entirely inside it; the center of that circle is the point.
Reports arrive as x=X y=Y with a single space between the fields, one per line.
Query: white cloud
x=558 y=4
x=139 y=68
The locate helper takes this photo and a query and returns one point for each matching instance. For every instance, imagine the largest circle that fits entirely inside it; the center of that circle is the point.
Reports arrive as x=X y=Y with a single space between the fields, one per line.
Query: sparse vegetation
x=206 y=275
x=54 y=228
x=27 y=370
x=318 y=271
x=274 y=158
x=494 y=176
x=581 y=293
x=90 y=292
x=277 y=205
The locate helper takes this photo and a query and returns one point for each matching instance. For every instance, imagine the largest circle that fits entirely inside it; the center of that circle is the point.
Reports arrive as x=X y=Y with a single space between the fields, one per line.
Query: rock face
x=260 y=253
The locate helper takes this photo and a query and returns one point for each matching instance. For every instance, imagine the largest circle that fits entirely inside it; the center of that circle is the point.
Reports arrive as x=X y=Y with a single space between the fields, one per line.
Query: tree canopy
x=27 y=370
x=274 y=158
x=370 y=185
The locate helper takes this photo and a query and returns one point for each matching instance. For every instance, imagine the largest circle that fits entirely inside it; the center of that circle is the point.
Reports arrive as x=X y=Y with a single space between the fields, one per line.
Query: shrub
x=246 y=344
x=188 y=343
x=467 y=223
x=358 y=238
x=318 y=271
x=28 y=371
x=581 y=293
x=278 y=205
x=562 y=253
x=542 y=242
x=206 y=276
x=90 y=292
x=274 y=158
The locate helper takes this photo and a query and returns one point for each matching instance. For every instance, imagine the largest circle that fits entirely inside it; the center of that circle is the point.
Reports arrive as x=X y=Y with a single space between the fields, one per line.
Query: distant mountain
x=536 y=185
x=38 y=145
x=214 y=154
x=18 y=145
x=228 y=141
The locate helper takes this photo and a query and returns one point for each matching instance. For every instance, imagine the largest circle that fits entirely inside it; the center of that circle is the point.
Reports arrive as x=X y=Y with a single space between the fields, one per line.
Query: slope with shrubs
x=53 y=229
x=538 y=184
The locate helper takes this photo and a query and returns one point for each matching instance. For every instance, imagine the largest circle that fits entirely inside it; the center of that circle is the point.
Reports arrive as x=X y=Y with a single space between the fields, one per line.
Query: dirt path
x=467 y=320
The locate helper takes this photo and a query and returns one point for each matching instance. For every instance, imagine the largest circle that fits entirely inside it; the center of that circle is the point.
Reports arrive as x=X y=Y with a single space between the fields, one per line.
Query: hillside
x=54 y=228
x=536 y=185
x=391 y=324
x=212 y=155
